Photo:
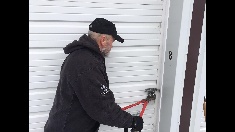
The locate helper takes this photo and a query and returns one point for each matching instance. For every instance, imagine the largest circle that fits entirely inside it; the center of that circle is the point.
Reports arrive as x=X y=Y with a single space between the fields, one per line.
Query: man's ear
x=102 y=40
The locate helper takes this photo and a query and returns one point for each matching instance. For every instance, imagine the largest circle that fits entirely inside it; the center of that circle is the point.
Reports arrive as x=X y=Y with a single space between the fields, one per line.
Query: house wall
x=132 y=66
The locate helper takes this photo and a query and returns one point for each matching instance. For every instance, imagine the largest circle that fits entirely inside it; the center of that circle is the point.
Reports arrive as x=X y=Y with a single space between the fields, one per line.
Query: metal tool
x=151 y=96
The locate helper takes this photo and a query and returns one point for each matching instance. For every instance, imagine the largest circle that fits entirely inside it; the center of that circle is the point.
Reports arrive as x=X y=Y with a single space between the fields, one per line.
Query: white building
x=158 y=37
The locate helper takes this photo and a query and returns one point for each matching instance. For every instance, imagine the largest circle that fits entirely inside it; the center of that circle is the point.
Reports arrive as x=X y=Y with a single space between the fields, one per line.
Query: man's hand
x=137 y=124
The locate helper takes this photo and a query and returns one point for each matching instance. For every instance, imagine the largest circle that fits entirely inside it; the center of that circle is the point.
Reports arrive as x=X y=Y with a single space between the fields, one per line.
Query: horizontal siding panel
x=129 y=86
x=40 y=108
x=38 y=114
x=113 y=76
x=46 y=108
x=37 y=125
x=82 y=27
x=132 y=78
x=90 y=18
x=52 y=84
x=127 y=100
x=44 y=73
x=109 y=66
x=46 y=56
x=86 y=24
x=44 y=105
x=41 y=95
x=36 y=130
x=131 y=59
x=40 y=85
x=117 y=55
x=42 y=90
x=94 y=11
x=38 y=118
x=57 y=72
x=63 y=43
x=45 y=102
x=132 y=73
x=50 y=97
x=134 y=86
x=127 y=94
x=132 y=68
x=83 y=30
x=102 y=3
x=157 y=6
x=43 y=68
x=116 y=88
x=41 y=102
x=58 y=62
x=134 y=111
x=61 y=37
x=44 y=78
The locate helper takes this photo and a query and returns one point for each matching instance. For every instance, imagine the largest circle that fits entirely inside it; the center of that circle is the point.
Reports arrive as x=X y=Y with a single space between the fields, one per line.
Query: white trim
x=178 y=32
x=164 y=26
x=181 y=63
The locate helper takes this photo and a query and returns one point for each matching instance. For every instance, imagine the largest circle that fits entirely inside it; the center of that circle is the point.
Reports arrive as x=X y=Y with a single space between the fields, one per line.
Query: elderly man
x=83 y=99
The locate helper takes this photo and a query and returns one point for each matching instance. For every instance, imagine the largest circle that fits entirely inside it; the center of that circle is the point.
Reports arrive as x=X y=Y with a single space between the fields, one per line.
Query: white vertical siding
x=132 y=66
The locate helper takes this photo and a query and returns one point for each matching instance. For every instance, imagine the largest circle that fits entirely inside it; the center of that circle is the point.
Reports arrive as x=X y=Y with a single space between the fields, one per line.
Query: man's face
x=107 y=45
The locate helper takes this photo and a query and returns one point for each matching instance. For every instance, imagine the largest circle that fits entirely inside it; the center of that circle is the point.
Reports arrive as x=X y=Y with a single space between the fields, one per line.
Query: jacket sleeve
x=98 y=100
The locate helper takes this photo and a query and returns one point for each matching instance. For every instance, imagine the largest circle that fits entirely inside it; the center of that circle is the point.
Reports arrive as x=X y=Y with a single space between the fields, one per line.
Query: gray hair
x=95 y=36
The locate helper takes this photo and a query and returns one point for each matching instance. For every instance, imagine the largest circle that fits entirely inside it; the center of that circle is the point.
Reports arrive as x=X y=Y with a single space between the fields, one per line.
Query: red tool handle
x=142 y=111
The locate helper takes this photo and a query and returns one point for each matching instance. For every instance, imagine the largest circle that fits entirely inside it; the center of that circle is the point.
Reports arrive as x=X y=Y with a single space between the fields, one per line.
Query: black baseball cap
x=103 y=26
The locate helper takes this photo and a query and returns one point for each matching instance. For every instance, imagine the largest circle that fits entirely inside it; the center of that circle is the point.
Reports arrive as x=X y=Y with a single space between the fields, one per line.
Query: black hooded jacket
x=83 y=99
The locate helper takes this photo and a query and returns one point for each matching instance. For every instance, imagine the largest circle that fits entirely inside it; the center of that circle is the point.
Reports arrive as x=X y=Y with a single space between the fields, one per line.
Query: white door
x=132 y=66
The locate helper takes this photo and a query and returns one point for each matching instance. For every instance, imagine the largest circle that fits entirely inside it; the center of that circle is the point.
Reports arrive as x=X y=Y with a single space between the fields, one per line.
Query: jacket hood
x=83 y=42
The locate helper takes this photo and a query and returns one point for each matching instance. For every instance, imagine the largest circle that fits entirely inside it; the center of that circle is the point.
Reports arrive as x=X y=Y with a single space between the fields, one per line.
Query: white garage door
x=132 y=66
